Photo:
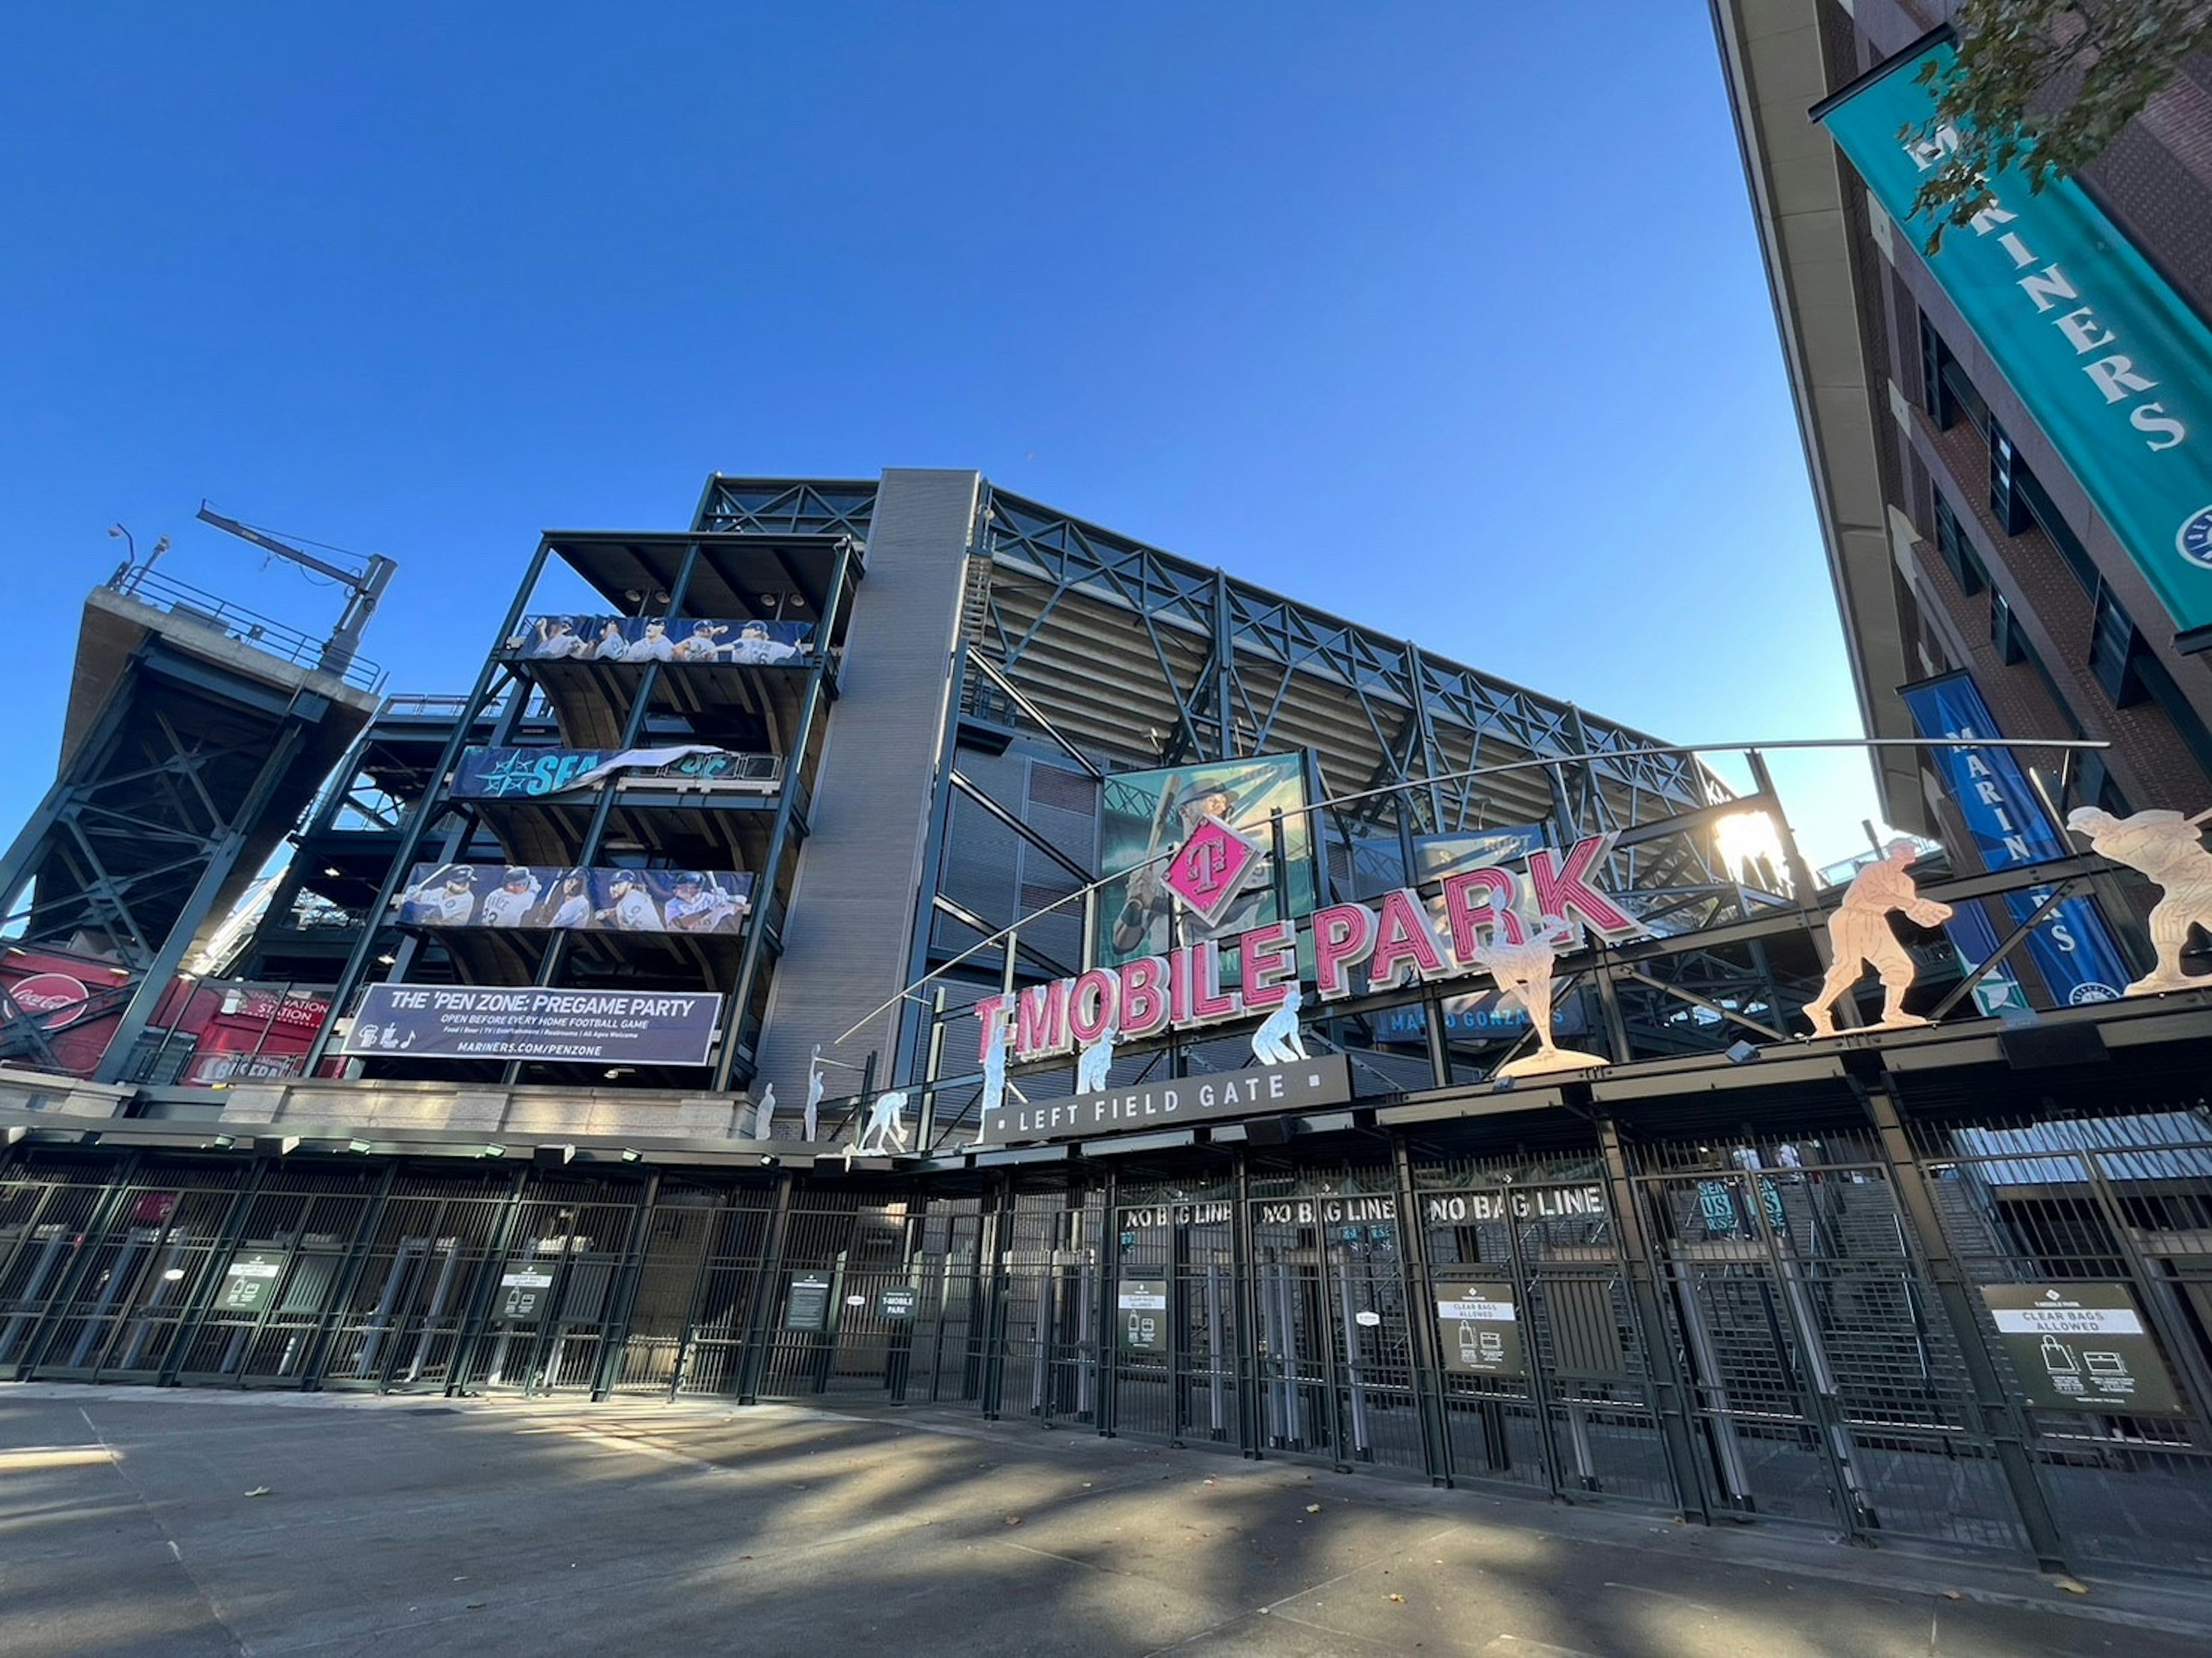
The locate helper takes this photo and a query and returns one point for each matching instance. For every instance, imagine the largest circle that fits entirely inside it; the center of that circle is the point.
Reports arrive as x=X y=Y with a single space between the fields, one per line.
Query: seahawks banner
x=2072 y=947
x=660 y=639
x=498 y=773
x=469 y=1022
x=547 y=897
x=2114 y=366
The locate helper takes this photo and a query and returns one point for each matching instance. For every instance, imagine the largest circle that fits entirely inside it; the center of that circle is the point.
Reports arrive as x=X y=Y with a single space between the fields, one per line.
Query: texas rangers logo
x=2194 y=539
x=1210 y=865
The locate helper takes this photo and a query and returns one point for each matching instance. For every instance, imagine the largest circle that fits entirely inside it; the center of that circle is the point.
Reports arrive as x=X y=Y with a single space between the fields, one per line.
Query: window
x=1935 y=397
x=2004 y=632
x=2094 y=785
x=2114 y=645
x=2032 y=495
x=2005 y=469
x=1959 y=555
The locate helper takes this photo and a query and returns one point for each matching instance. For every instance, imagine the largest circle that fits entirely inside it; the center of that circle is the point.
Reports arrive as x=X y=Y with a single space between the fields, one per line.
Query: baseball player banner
x=2072 y=947
x=507 y=773
x=1191 y=851
x=471 y=1021
x=661 y=639
x=2114 y=365
x=543 y=898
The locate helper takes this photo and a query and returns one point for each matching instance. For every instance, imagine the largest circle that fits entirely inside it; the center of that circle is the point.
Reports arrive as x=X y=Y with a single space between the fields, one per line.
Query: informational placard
x=1299 y=1086
x=1143 y=1322
x=549 y=897
x=250 y=1278
x=678 y=640
x=2080 y=1347
x=1479 y=1326
x=898 y=1302
x=523 y=1292
x=1585 y=1201
x=461 y=1022
x=806 y=1307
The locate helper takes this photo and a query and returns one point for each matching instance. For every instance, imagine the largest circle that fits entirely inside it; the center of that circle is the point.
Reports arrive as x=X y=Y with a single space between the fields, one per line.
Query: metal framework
x=1155 y=661
x=588 y=705
x=195 y=762
x=1767 y=1298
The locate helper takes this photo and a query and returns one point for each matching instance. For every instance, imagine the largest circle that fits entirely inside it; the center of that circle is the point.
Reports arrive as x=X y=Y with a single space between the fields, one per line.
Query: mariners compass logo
x=1210 y=867
x=2194 y=539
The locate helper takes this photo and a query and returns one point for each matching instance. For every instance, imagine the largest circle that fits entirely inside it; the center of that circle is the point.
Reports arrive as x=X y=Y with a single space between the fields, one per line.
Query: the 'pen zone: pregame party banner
x=468 y=1022
x=547 y=897
x=500 y=773
x=2114 y=364
x=2073 y=948
x=659 y=638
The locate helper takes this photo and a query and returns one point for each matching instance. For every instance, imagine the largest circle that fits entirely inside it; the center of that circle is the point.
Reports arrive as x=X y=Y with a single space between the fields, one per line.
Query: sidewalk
x=138 y=1521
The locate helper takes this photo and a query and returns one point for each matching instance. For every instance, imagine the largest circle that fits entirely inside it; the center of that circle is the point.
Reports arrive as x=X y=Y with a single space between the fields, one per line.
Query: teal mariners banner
x=2114 y=364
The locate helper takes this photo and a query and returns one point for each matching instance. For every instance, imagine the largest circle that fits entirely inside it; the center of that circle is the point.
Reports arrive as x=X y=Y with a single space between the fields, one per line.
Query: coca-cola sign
x=55 y=1000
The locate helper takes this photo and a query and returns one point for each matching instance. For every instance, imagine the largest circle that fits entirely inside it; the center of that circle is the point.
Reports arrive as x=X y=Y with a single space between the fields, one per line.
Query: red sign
x=55 y=1000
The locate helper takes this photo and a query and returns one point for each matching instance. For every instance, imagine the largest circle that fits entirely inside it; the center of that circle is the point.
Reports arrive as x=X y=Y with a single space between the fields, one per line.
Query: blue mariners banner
x=2115 y=367
x=2072 y=947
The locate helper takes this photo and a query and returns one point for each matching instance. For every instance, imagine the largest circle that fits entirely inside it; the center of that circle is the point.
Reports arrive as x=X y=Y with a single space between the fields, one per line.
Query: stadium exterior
x=853 y=762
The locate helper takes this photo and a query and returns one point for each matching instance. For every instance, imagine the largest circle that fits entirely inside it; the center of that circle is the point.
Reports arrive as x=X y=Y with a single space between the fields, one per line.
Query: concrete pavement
x=136 y=1520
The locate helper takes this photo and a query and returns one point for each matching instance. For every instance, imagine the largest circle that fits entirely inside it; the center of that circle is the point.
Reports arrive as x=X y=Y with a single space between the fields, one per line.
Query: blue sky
x=1446 y=318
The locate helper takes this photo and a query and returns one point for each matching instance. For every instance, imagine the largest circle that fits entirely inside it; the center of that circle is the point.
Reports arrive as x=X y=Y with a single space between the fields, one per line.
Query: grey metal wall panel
x=846 y=944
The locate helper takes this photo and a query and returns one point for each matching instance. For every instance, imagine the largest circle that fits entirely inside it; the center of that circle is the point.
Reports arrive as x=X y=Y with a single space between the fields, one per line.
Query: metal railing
x=250 y=628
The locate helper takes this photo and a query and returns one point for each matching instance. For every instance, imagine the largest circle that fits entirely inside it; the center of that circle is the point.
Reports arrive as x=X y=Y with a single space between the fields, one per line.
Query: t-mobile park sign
x=1215 y=982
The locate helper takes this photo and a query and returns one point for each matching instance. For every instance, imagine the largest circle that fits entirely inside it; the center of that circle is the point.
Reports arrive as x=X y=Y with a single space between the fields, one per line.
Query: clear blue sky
x=1424 y=313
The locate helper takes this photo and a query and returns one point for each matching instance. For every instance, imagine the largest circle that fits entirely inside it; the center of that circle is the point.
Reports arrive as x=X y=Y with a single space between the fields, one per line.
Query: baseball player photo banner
x=1191 y=854
x=662 y=639
x=2072 y=947
x=542 y=898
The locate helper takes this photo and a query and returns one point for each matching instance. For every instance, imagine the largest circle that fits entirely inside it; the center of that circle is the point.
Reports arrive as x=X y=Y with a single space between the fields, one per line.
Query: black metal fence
x=1819 y=1328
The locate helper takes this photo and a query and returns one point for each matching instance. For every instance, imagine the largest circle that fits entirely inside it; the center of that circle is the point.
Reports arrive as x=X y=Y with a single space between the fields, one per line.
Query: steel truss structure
x=1153 y=660
x=809 y=549
x=181 y=773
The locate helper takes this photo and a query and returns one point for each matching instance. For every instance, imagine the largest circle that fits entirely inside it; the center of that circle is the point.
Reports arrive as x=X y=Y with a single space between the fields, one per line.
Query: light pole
x=118 y=530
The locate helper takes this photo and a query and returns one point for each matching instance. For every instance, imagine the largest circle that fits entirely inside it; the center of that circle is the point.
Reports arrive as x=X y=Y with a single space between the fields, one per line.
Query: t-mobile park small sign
x=1176 y=1103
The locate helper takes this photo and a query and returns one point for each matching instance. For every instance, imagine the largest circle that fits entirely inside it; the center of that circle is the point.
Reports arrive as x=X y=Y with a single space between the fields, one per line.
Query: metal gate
x=1827 y=1384
x=2114 y=1209
x=542 y=1319
x=1334 y=1332
x=1175 y=1363
x=1047 y=1307
x=122 y=1286
x=267 y=1309
x=846 y=1301
x=436 y=1243
x=1543 y=1368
